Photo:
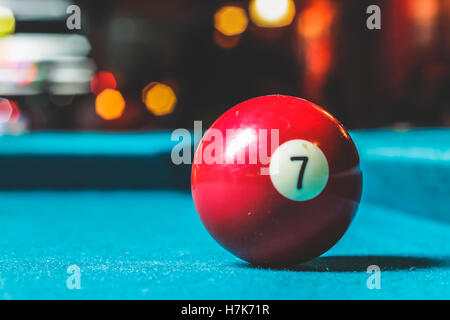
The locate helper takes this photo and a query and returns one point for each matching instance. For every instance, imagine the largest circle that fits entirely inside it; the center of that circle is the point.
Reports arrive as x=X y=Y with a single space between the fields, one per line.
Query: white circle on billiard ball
x=299 y=170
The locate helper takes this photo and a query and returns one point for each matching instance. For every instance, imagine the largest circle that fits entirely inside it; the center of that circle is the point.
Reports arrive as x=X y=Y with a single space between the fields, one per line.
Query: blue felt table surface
x=151 y=245
x=87 y=143
x=408 y=170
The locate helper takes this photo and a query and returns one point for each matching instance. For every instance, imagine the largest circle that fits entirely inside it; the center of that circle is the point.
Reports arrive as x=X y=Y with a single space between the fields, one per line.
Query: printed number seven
x=304 y=161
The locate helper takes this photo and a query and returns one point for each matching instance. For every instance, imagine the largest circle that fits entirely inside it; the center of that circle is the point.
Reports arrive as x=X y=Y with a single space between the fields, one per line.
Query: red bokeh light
x=101 y=81
x=15 y=115
x=5 y=110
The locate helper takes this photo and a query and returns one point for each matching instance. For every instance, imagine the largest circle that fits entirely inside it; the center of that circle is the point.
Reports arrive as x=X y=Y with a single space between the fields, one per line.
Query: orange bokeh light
x=102 y=80
x=110 y=104
x=159 y=98
x=231 y=20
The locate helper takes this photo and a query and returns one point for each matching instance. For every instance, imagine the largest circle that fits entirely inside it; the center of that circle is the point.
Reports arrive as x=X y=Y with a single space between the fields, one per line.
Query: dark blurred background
x=167 y=63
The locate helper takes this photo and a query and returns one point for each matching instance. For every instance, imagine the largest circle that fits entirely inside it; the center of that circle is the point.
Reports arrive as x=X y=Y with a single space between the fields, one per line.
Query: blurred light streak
x=69 y=88
x=28 y=75
x=272 y=13
x=159 y=98
x=231 y=20
x=110 y=104
x=20 y=73
x=11 y=89
x=424 y=15
x=70 y=74
x=318 y=57
x=43 y=47
x=42 y=10
x=314 y=31
x=315 y=21
x=7 y=21
x=61 y=74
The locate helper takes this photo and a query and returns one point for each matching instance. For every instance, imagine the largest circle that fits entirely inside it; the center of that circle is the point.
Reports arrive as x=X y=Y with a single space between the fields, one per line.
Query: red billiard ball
x=276 y=180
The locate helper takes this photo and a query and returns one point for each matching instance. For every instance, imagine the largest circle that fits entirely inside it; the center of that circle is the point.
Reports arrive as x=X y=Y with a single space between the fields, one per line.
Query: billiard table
x=115 y=206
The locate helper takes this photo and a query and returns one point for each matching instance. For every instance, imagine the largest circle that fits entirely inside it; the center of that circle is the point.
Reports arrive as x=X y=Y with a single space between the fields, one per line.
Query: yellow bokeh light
x=231 y=20
x=110 y=104
x=159 y=98
x=7 y=21
x=272 y=13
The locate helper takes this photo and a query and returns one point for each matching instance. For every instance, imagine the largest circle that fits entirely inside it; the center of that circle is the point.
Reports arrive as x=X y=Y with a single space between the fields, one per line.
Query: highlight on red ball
x=101 y=81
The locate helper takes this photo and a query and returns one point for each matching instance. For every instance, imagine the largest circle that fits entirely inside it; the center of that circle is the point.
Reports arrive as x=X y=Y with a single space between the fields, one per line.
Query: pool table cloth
x=114 y=205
